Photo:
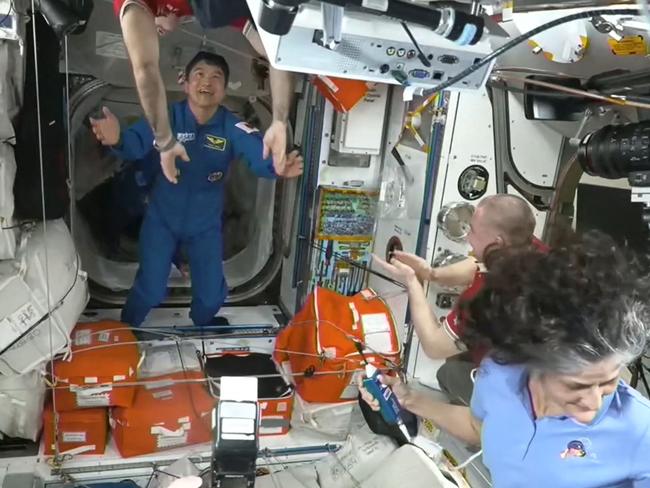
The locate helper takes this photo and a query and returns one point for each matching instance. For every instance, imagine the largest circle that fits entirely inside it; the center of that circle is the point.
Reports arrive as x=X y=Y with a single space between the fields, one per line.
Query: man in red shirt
x=143 y=20
x=499 y=221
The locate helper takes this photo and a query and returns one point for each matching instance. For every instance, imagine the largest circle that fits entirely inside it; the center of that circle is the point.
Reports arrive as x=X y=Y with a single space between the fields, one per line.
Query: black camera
x=277 y=16
x=616 y=151
x=65 y=17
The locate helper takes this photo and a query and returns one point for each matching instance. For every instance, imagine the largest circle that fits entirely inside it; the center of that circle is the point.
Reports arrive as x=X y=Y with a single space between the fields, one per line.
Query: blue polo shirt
x=558 y=452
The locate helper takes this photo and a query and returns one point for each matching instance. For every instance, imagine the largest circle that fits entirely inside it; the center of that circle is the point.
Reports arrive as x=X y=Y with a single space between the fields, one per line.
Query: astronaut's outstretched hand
x=275 y=144
x=106 y=129
x=293 y=167
x=168 y=161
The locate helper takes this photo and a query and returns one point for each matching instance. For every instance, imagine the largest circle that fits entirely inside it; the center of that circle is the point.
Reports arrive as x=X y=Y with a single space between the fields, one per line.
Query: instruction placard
x=629 y=46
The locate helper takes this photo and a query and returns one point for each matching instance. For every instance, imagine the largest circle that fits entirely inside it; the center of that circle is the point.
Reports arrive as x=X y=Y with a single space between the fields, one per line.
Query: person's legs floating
x=157 y=246
x=209 y=288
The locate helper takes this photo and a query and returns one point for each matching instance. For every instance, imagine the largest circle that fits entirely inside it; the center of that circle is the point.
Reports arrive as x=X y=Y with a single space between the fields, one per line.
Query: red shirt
x=180 y=8
x=159 y=8
x=455 y=321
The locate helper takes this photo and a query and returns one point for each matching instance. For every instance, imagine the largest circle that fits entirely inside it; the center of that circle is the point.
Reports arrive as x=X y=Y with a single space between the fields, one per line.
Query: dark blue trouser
x=157 y=247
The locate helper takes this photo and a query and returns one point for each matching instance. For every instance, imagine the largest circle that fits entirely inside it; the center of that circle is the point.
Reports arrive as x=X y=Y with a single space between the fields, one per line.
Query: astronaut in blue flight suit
x=189 y=212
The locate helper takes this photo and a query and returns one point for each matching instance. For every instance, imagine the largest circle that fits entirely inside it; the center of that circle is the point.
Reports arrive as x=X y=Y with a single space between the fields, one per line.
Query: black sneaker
x=221 y=323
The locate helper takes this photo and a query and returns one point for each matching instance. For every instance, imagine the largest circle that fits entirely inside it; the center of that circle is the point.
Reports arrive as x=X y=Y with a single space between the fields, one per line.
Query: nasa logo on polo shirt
x=215 y=176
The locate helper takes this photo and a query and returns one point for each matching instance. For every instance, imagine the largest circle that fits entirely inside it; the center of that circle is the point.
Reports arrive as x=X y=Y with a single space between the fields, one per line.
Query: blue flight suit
x=189 y=212
x=130 y=195
x=130 y=191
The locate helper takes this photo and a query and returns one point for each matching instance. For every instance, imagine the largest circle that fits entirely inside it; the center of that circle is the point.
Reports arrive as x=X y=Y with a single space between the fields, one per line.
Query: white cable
x=46 y=260
x=468 y=461
x=71 y=185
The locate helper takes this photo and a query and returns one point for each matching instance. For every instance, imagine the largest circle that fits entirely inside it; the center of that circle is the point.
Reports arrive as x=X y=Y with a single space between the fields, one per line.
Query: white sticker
x=329 y=83
x=380 y=342
x=282 y=407
x=119 y=377
x=368 y=294
x=102 y=400
x=377 y=332
x=165 y=394
x=91 y=380
x=246 y=128
x=164 y=441
x=82 y=338
x=264 y=405
x=375 y=322
x=105 y=336
x=74 y=437
x=184 y=420
x=90 y=391
x=355 y=316
x=110 y=45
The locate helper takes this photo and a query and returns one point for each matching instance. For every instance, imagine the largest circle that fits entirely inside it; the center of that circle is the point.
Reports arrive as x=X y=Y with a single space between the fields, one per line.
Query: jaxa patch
x=249 y=129
x=215 y=142
x=216 y=176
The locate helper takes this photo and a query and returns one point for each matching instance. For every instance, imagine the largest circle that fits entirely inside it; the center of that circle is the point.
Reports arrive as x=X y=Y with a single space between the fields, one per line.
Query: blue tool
x=389 y=405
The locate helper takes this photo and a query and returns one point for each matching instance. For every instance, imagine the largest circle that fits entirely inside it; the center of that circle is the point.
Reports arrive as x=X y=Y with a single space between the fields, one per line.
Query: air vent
x=448 y=59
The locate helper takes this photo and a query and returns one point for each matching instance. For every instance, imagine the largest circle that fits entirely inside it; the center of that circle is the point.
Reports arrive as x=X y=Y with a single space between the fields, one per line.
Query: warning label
x=629 y=46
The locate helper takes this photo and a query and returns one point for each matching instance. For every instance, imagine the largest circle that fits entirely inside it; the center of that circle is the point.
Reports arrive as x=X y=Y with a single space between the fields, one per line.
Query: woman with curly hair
x=549 y=407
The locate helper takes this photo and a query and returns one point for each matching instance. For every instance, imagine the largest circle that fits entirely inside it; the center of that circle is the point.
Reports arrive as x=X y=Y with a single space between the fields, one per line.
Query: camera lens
x=615 y=151
x=277 y=16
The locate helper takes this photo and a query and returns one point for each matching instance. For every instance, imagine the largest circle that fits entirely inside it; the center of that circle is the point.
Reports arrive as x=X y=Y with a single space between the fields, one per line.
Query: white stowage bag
x=331 y=419
x=21 y=404
x=362 y=455
x=294 y=477
x=8 y=108
x=7 y=224
x=28 y=336
x=408 y=461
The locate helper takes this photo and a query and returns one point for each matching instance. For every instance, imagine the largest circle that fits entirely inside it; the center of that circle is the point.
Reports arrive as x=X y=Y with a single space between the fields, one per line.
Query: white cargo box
x=21 y=403
x=28 y=336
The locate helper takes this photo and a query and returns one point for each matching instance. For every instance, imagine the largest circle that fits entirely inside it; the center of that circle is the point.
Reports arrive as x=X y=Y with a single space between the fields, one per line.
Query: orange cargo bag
x=168 y=412
x=344 y=94
x=104 y=354
x=317 y=349
x=77 y=430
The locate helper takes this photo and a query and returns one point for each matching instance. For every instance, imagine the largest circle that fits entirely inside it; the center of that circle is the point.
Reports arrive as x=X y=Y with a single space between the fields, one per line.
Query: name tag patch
x=214 y=142
x=249 y=129
x=184 y=137
x=216 y=176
